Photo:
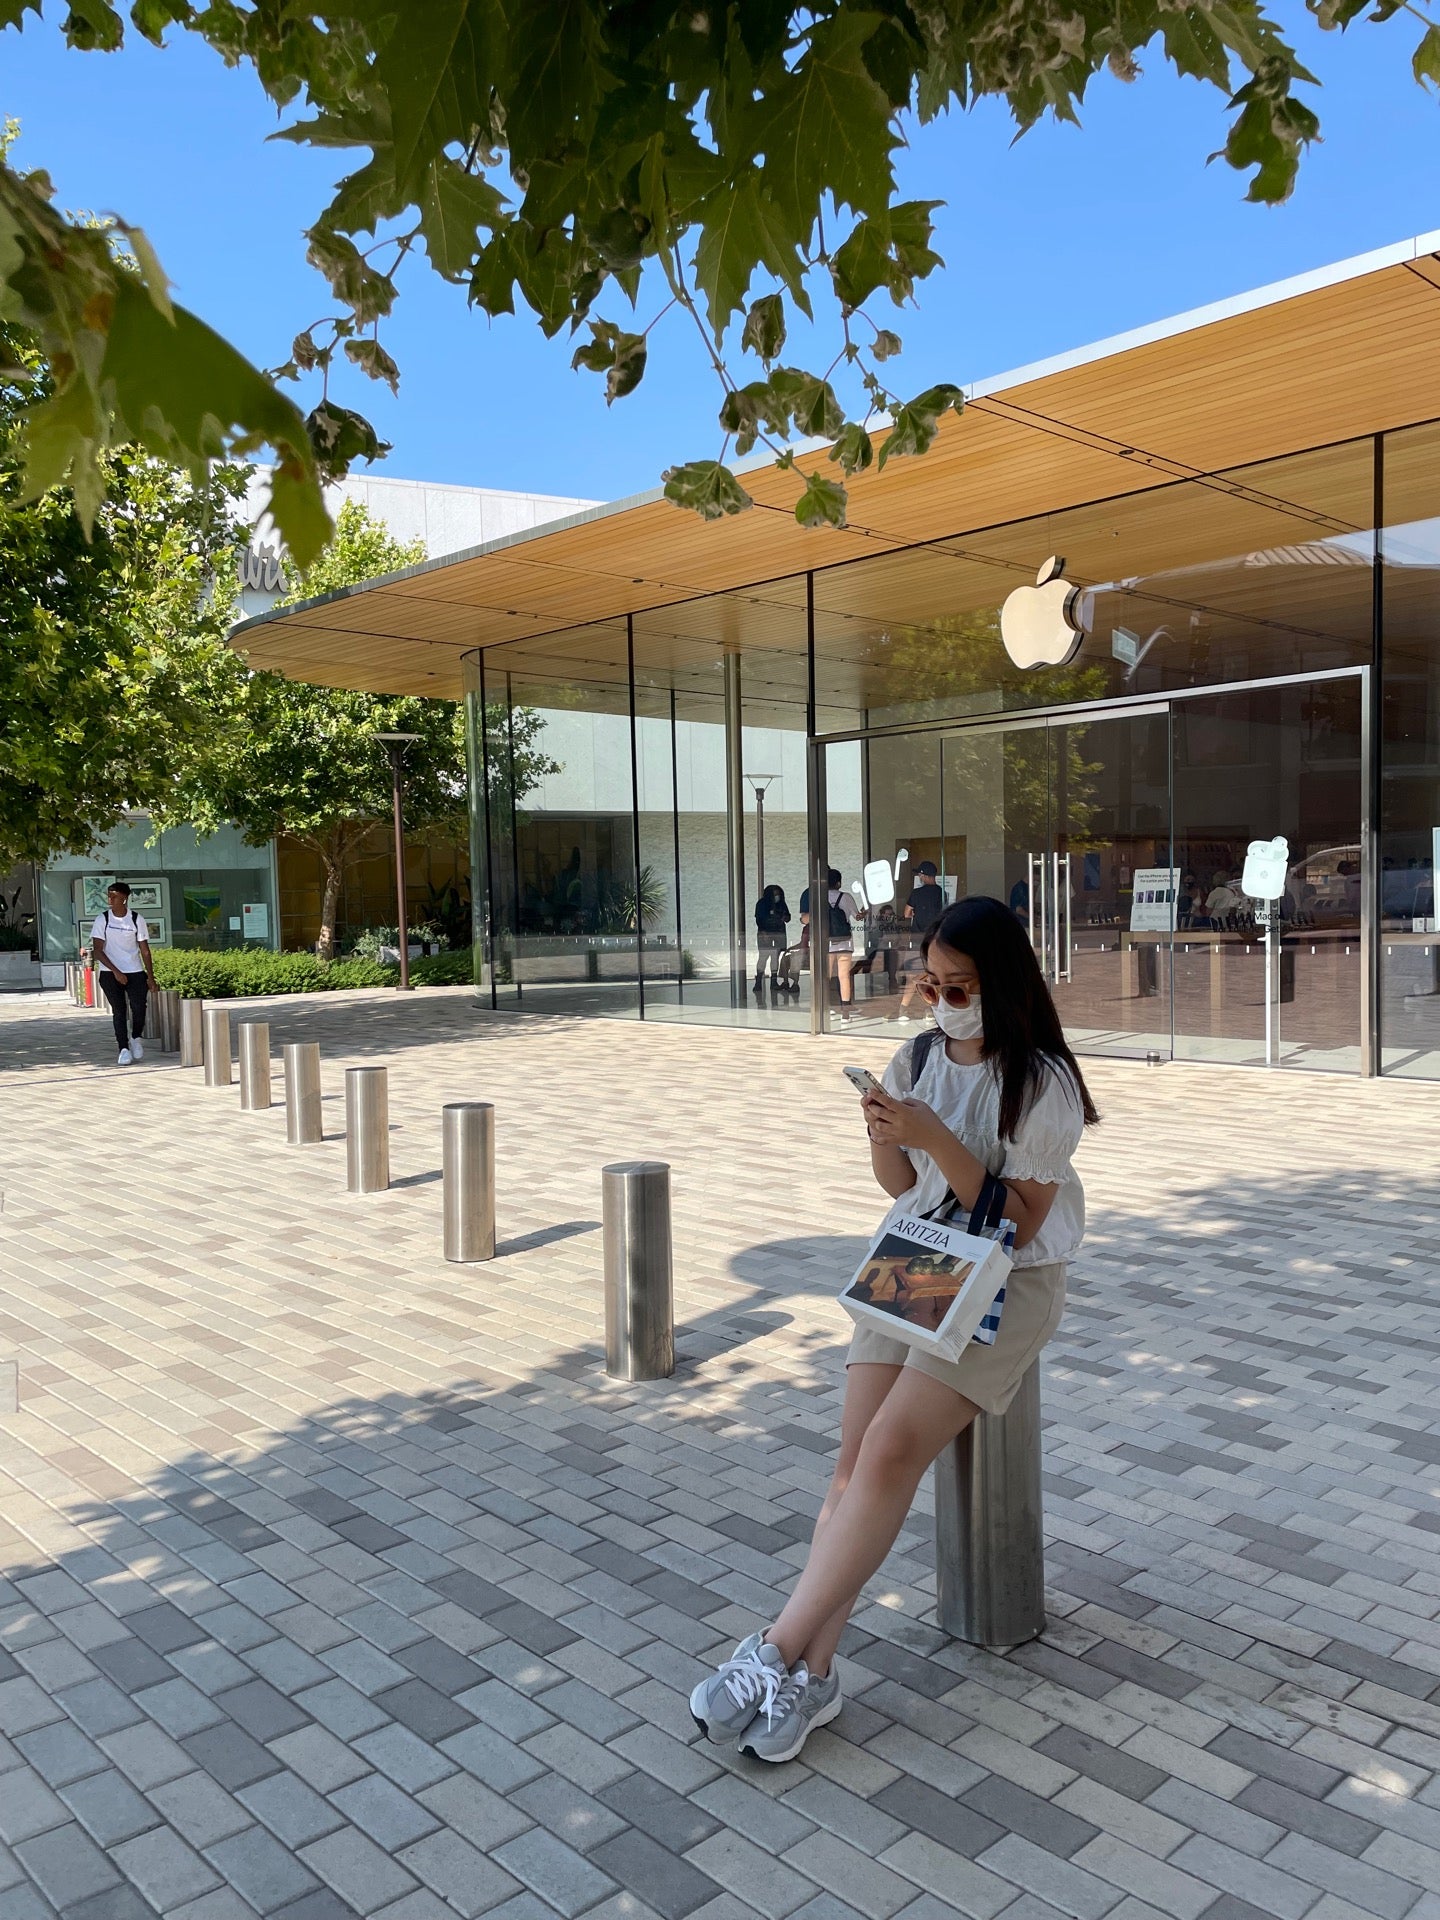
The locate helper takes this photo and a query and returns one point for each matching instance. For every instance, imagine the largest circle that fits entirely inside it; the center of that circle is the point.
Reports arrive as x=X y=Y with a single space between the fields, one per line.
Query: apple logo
x=1039 y=625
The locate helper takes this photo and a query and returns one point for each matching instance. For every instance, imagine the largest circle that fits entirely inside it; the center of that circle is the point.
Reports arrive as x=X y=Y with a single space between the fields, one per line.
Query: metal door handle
x=1042 y=947
x=1063 y=860
x=1058 y=972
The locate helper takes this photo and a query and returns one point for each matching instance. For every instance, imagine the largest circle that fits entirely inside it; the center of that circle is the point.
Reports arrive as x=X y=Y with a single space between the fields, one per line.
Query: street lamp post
x=396 y=743
x=759 y=781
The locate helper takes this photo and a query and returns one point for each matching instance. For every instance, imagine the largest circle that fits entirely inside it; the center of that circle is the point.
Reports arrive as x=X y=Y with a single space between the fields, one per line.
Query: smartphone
x=862 y=1080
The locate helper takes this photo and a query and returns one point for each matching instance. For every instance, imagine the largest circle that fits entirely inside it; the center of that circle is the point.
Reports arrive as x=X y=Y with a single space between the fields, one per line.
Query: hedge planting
x=239 y=972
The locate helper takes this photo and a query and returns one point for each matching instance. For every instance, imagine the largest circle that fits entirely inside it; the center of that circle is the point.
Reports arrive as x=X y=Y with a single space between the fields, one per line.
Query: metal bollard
x=639 y=1305
x=254 y=1038
x=217 y=1046
x=303 y=1123
x=468 y=1157
x=192 y=1033
x=167 y=1020
x=367 y=1129
x=989 y=1531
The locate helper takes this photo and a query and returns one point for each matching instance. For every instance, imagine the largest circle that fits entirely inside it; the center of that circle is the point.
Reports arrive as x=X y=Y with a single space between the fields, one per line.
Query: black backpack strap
x=921 y=1048
x=989 y=1208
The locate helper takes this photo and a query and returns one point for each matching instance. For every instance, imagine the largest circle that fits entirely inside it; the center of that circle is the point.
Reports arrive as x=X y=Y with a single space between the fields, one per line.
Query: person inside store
x=922 y=910
x=842 y=911
x=994 y=1093
x=120 y=940
x=1222 y=900
x=772 y=917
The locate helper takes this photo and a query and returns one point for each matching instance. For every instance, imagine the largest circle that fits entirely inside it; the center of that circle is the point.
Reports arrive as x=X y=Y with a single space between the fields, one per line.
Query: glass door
x=1118 y=839
x=1069 y=823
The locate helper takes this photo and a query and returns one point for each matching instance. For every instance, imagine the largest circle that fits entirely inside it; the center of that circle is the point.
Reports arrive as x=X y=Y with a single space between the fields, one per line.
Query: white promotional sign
x=256 y=915
x=1267 y=863
x=878 y=882
x=1152 y=905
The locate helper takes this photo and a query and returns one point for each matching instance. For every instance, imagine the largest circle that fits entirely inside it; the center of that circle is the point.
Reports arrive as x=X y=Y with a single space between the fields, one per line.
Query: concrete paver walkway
x=335 y=1580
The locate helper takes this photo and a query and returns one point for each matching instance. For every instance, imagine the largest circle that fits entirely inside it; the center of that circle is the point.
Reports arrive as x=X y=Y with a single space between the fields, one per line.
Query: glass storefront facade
x=1260 y=657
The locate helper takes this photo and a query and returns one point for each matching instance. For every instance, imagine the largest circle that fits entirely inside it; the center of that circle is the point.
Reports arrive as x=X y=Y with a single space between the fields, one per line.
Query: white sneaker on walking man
x=121 y=942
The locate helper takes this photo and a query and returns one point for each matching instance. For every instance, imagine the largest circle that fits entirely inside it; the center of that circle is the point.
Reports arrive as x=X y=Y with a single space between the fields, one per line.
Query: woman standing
x=1000 y=1094
x=772 y=916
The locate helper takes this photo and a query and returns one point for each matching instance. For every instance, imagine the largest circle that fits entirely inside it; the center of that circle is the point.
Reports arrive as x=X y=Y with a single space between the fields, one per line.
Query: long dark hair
x=1022 y=1029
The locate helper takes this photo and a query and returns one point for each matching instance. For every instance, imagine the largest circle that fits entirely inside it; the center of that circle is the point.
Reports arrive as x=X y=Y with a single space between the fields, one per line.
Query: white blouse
x=967 y=1099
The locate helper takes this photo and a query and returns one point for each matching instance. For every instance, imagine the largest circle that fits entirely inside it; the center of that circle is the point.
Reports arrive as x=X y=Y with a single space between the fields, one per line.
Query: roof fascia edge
x=1399 y=253
x=421 y=567
x=1357 y=267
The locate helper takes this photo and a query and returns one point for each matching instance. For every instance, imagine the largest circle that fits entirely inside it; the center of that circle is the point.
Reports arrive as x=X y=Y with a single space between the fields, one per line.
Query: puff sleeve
x=1048 y=1133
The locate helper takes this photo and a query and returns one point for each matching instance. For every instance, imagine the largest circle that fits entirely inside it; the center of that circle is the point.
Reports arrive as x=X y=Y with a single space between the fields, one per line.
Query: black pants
x=137 y=991
x=771 y=946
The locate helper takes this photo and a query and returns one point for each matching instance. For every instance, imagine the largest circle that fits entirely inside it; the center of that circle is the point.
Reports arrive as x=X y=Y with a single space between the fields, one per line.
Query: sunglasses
x=932 y=991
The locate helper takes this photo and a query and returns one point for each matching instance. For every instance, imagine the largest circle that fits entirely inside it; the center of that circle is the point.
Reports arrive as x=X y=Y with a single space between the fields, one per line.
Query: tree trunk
x=329 y=900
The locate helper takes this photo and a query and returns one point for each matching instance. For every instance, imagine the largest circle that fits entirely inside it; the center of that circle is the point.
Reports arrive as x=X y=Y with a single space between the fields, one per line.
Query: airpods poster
x=1152 y=906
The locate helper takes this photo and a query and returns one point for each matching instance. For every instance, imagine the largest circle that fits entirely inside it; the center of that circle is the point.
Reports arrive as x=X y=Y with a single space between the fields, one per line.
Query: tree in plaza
x=733 y=159
x=107 y=645
x=287 y=757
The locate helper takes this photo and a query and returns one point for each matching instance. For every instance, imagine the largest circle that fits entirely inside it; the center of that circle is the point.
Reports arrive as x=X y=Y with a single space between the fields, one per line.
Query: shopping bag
x=934 y=1283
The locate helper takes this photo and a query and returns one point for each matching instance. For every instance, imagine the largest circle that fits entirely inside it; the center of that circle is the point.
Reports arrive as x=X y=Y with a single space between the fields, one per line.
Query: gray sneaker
x=724 y=1705
x=802 y=1704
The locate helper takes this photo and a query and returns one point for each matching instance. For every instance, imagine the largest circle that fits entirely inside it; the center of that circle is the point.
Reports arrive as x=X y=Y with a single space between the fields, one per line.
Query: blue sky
x=1059 y=239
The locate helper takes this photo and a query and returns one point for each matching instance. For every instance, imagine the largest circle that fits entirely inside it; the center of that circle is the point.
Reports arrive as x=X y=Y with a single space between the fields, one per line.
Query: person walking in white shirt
x=121 y=942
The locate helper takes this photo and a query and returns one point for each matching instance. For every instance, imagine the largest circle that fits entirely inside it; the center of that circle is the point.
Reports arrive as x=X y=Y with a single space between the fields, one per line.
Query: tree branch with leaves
x=735 y=158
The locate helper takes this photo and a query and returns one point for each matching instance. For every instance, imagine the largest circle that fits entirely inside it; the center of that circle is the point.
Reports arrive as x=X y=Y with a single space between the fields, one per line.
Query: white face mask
x=960 y=1023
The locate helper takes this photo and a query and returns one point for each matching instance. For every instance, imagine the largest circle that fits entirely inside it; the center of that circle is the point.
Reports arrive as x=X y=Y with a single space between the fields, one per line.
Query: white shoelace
x=788 y=1695
x=750 y=1680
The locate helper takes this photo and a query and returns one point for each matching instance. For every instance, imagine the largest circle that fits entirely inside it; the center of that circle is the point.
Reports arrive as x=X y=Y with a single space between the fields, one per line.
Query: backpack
x=839 y=921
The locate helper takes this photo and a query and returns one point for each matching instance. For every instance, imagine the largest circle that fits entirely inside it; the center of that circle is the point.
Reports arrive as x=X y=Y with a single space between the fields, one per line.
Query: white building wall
x=593 y=750
x=448 y=519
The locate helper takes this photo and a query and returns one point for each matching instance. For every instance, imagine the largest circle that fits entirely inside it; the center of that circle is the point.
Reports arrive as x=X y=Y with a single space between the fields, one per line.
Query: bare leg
x=844 y=968
x=918 y=1417
x=866 y=1386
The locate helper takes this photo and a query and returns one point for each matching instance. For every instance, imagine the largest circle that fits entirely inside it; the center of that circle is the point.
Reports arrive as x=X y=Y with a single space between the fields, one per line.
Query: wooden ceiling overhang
x=1329 y=356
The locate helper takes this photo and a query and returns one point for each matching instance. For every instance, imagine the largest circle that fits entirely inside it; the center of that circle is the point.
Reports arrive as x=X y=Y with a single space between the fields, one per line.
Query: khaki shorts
x=989 y=1377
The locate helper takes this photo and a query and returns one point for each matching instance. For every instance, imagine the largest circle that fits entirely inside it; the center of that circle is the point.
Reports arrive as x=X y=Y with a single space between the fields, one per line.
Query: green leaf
x=340 y=437
x=742 y=412
x=885 y=345
x=707 y=488
x=825 y=128
x=372 y=359
x=853 y=448
x=436 y=71
x=152 y=273
x=822 y=504
x=152 y=17
x=915 y=425
x=619 y=356
x=765 y=327
x=741 y=230
x=810 y=402
x=453 y=209
x=1426 y=62
x=92 y=26
x=368 y=294
x=891 y=251
x=561 y=77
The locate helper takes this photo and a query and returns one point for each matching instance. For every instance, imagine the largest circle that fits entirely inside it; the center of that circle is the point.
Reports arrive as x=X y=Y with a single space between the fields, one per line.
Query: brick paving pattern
x=338 y=1581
